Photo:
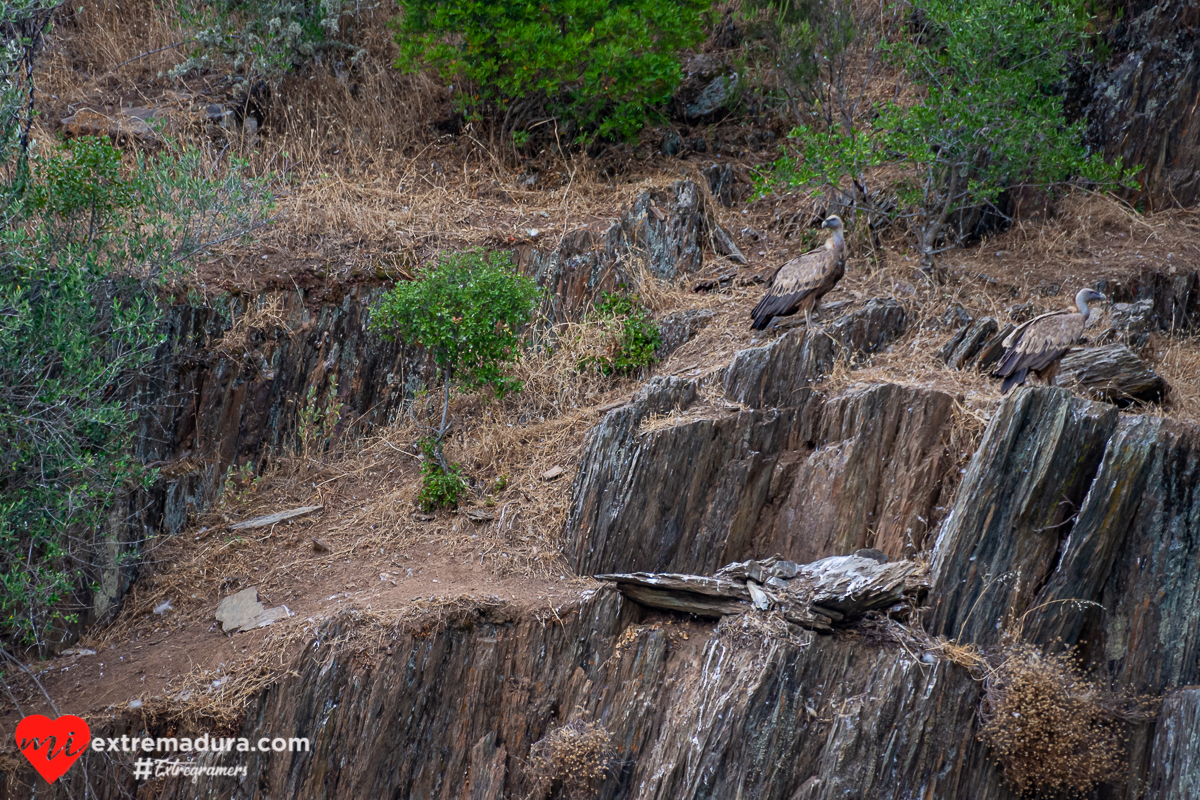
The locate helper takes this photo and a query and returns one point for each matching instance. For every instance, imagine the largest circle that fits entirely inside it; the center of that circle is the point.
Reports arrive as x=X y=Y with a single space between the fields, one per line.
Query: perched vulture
x=801 y=283
x=1039 y=344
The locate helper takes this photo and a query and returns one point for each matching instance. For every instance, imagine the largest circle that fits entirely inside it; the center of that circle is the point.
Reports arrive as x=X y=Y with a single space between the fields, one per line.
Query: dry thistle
x=1052 y=729
x=576 y=756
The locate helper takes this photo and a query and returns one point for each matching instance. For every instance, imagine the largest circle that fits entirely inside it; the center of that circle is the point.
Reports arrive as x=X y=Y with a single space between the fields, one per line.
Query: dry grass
x=1178 y=360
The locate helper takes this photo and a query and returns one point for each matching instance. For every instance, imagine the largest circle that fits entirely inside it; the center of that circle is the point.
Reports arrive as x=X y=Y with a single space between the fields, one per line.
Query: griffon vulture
x=1039 y=344
x=801 y=283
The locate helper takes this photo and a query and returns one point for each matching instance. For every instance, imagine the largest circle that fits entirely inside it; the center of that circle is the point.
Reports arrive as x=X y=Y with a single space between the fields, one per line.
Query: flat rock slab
x=242 y=612
x=839 y=589
x=271 y=519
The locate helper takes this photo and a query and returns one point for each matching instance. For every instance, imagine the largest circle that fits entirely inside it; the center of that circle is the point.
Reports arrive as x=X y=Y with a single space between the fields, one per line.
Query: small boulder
x=715 y=95
x=672 y=144
x=1112 y=373
x=677 y=328
x=721 y=180
x=122 y=127
x=1129 y=323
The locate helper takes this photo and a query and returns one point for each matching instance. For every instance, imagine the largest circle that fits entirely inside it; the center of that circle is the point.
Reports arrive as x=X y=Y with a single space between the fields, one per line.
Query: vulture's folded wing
x=1040 y=342
x=794 y=281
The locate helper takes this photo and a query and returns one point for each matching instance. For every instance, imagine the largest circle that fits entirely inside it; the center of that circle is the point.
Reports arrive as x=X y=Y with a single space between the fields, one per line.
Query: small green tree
x=989 y=116
x=468 y=311
x=597 y=64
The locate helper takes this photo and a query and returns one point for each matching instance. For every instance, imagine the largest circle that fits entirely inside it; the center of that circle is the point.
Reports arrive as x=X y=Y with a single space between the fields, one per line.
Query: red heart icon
x=52 y=745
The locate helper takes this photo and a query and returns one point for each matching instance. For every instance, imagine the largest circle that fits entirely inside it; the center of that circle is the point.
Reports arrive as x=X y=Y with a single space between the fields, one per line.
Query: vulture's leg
x=1049 y=373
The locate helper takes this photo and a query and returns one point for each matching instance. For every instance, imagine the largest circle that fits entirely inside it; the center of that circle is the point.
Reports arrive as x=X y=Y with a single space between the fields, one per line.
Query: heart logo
x=53 y=745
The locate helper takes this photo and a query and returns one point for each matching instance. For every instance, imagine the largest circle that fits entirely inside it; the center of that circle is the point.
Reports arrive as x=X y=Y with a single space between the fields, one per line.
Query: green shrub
x=634 y=337
x=442 y=485
x=469 y=311
x=267 y=39
x=599 y=65
x=86 y=242
x=989 y=116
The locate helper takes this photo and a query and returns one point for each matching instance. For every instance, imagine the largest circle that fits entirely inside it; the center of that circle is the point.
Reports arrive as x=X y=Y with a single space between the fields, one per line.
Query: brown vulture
x=801 y=283
x=1039 y=344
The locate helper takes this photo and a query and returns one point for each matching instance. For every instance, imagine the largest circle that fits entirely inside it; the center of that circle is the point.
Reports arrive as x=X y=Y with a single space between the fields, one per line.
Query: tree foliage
x=988 y=116
x=599 y=65
x=469 y=311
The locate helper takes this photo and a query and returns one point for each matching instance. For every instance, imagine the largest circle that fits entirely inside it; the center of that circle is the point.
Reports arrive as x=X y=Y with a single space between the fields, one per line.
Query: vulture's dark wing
x=1037 y=344
x=793 y=282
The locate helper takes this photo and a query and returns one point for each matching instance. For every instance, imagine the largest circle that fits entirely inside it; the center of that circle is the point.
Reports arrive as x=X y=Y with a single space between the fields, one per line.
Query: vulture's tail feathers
x=1016 y=379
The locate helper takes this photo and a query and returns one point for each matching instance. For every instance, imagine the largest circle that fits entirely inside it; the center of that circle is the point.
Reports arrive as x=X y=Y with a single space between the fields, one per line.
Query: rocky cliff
x=226 y=388
x=1143 y=104
x=1073 y=525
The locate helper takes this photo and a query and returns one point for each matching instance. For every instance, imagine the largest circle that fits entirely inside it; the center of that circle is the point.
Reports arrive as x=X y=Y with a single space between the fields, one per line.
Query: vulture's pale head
x=833 y=222
x=1085 y=296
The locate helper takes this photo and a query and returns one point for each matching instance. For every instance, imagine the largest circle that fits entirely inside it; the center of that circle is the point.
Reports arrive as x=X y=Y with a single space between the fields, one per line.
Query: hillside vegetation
x=455 y=178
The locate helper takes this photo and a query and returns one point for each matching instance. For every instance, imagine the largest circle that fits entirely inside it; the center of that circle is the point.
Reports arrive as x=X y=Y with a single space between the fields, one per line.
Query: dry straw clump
x=576 y=757
x=1053 y=730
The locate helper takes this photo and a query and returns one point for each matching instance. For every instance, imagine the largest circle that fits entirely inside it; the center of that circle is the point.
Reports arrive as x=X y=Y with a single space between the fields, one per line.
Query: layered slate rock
x=1092 y=520
x=1112 y=373
x=664 y=231
x=695 y=710
x=838 y=590
x=1143 y=107
x=775 y=375
x=1037 y=460
x=215 y=399
x=1175 y=770
x=808 y=478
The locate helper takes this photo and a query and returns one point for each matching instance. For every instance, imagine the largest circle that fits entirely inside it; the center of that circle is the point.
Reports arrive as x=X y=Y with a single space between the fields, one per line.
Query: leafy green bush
x=599 y=65
x=468 y=311
x=86 y=241
x=634 y=339
x=989 y=116
x=441 y=486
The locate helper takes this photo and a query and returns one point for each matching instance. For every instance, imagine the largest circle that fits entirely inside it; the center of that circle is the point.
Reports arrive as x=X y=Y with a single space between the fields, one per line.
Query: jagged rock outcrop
x=978 y=344
x=1112 y=373
x=809 y=478
x=1143 y=107
x=839 y=590
x=695 y=710
x=1172 y=292
x=1176 y=772
x=665 y=232
x=772 y=376
x=678 y=328
x=221 y=393
x=1093 y=519
x=1129 y=324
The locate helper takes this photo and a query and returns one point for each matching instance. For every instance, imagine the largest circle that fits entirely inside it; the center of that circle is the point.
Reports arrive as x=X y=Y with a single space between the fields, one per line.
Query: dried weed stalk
x=575 y=757
x=1052 y=729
